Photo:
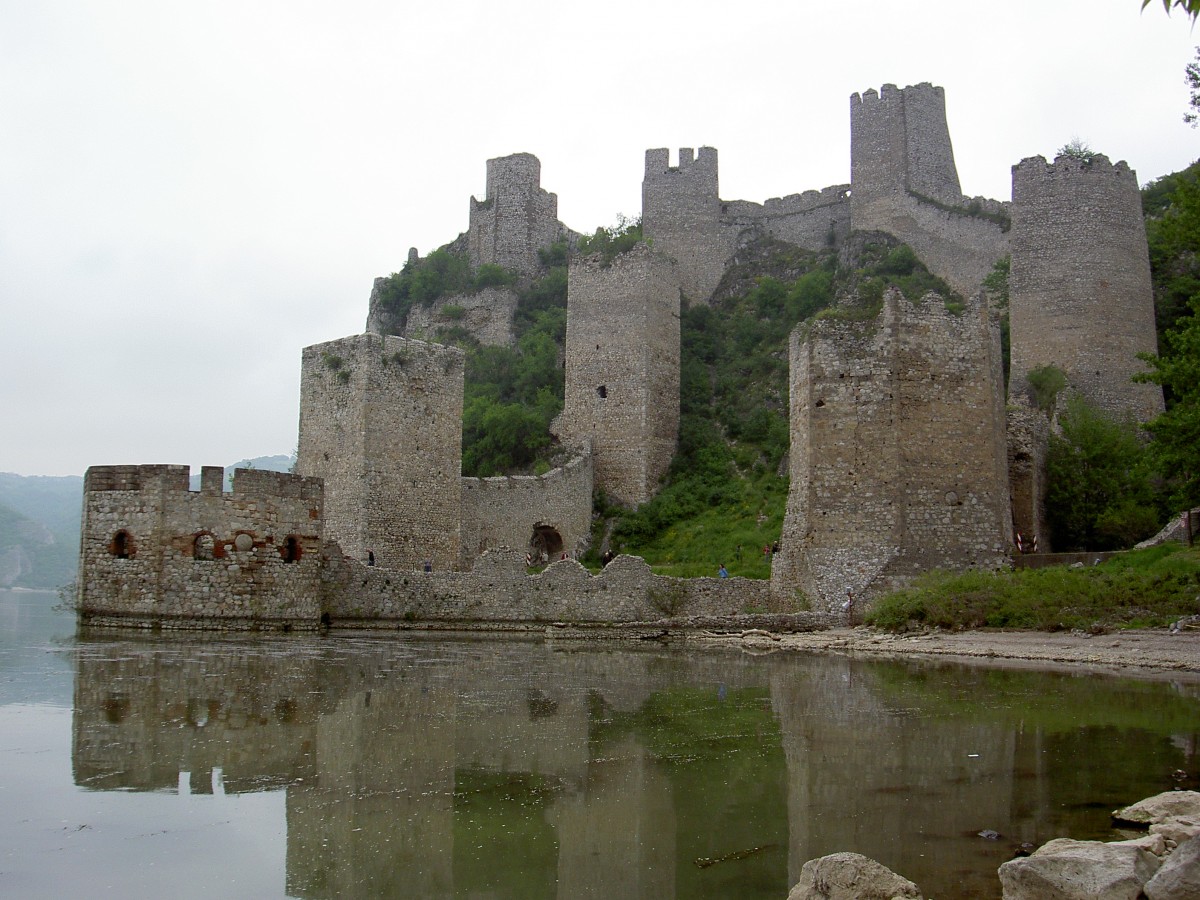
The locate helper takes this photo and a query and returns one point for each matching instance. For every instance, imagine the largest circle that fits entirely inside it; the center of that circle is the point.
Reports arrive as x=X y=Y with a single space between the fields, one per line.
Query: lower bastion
x=158 y=555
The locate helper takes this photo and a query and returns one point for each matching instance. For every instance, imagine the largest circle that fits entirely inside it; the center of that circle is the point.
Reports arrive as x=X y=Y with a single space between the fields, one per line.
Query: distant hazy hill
x=39 y=529
x=39 y=523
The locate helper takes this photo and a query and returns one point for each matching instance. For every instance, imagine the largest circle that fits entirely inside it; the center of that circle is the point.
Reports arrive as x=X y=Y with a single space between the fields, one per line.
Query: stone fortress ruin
x=905 y=453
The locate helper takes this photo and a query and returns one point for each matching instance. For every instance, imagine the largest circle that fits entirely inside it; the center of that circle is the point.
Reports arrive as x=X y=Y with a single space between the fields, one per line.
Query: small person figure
x=766 y=551
x=607 y=557
x=722 y=572
x=848 y=606
x=428 y=565
x=739 y=552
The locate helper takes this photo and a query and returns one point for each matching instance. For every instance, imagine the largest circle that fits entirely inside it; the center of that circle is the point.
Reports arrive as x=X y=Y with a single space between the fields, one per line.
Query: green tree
x=1176 y=432
x=1191 y=8
x=1100 y=493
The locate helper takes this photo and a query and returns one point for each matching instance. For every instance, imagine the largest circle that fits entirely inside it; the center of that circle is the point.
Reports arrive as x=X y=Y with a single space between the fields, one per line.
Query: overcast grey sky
x=192 y=192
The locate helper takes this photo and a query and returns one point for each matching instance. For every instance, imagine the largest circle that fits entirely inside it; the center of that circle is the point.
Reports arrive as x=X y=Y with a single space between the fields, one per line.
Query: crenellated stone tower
x=381 y=423
x=904 y=182
x=1080 y=289
x=681 y=209
x=898 y=461
x=516 y=218
x=622 y=369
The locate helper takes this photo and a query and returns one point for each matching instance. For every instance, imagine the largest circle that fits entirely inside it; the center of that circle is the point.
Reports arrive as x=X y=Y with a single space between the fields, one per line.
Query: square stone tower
x=381 y=422
x=898 y=457
x=622 y=369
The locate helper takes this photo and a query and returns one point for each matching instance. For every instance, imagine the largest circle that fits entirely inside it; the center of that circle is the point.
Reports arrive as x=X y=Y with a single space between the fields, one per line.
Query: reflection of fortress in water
x=439 y=769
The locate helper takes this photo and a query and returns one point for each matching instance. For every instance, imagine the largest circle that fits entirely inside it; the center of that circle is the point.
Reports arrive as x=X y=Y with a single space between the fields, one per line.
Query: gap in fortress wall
x=903 y=457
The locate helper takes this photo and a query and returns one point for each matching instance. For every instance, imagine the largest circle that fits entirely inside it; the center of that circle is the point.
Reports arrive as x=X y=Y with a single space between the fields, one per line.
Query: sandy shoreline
x=1144 y=651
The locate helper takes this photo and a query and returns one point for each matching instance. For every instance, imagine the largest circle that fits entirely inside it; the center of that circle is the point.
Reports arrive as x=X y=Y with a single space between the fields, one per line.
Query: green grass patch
x=1140 y=589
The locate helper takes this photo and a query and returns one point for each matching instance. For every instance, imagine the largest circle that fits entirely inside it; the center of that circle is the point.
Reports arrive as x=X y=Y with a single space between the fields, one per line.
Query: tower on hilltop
x=381 y=422
x=900 y=142
x=622 y=369
x=516 y=218
x=681 y=212
x=1080 y=294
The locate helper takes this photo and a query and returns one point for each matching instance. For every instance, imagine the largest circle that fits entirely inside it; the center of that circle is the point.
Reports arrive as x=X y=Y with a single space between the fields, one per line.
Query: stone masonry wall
x=622 y=369
x=516 y=218
x=898 y=461
x=381 y=423
x=814 y=220
x=1080 y=282
x=904 y=181
x=507 y=511
x=1028 y=441
x=497 y=590
x=154 y=551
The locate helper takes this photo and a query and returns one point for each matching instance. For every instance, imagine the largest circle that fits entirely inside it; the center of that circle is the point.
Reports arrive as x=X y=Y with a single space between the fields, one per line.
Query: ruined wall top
x=514 y=172
x=1034 y=169
x=516 y=219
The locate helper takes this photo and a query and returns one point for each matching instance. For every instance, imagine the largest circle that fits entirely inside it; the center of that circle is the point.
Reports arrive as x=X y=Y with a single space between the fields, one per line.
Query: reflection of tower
x=622 y=376
x=377 y=820
x=618 y=838
x=850 y=756
x=381 y=422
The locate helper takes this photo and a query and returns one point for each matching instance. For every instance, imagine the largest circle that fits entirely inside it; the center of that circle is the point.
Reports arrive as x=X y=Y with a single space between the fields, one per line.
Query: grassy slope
x=1142 y=588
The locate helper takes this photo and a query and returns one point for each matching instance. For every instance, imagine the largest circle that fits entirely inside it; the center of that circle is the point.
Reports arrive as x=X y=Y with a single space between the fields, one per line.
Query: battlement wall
x=497 y=590
x=530 y=513
x=898 y=458
x=1081 y=297
x=622 y=369
x=381 y=423
x=153 y=550
x=516 y=218
x=814 y=220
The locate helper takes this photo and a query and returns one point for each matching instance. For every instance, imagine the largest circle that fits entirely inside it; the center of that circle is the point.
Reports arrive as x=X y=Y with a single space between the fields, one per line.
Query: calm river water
x=401 y=766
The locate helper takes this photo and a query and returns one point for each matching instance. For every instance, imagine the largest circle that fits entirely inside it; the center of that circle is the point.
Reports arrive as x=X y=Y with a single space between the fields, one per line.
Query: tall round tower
x=1080 y=283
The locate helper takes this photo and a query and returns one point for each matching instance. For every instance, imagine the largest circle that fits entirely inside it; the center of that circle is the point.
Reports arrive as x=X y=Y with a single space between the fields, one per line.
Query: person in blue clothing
x=722 y=572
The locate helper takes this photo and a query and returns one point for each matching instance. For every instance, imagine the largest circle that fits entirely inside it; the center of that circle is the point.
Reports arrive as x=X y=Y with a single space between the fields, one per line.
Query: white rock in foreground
x=1179 y=877
x=851 y=876
x=1168 y=806
x=1064 y=869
